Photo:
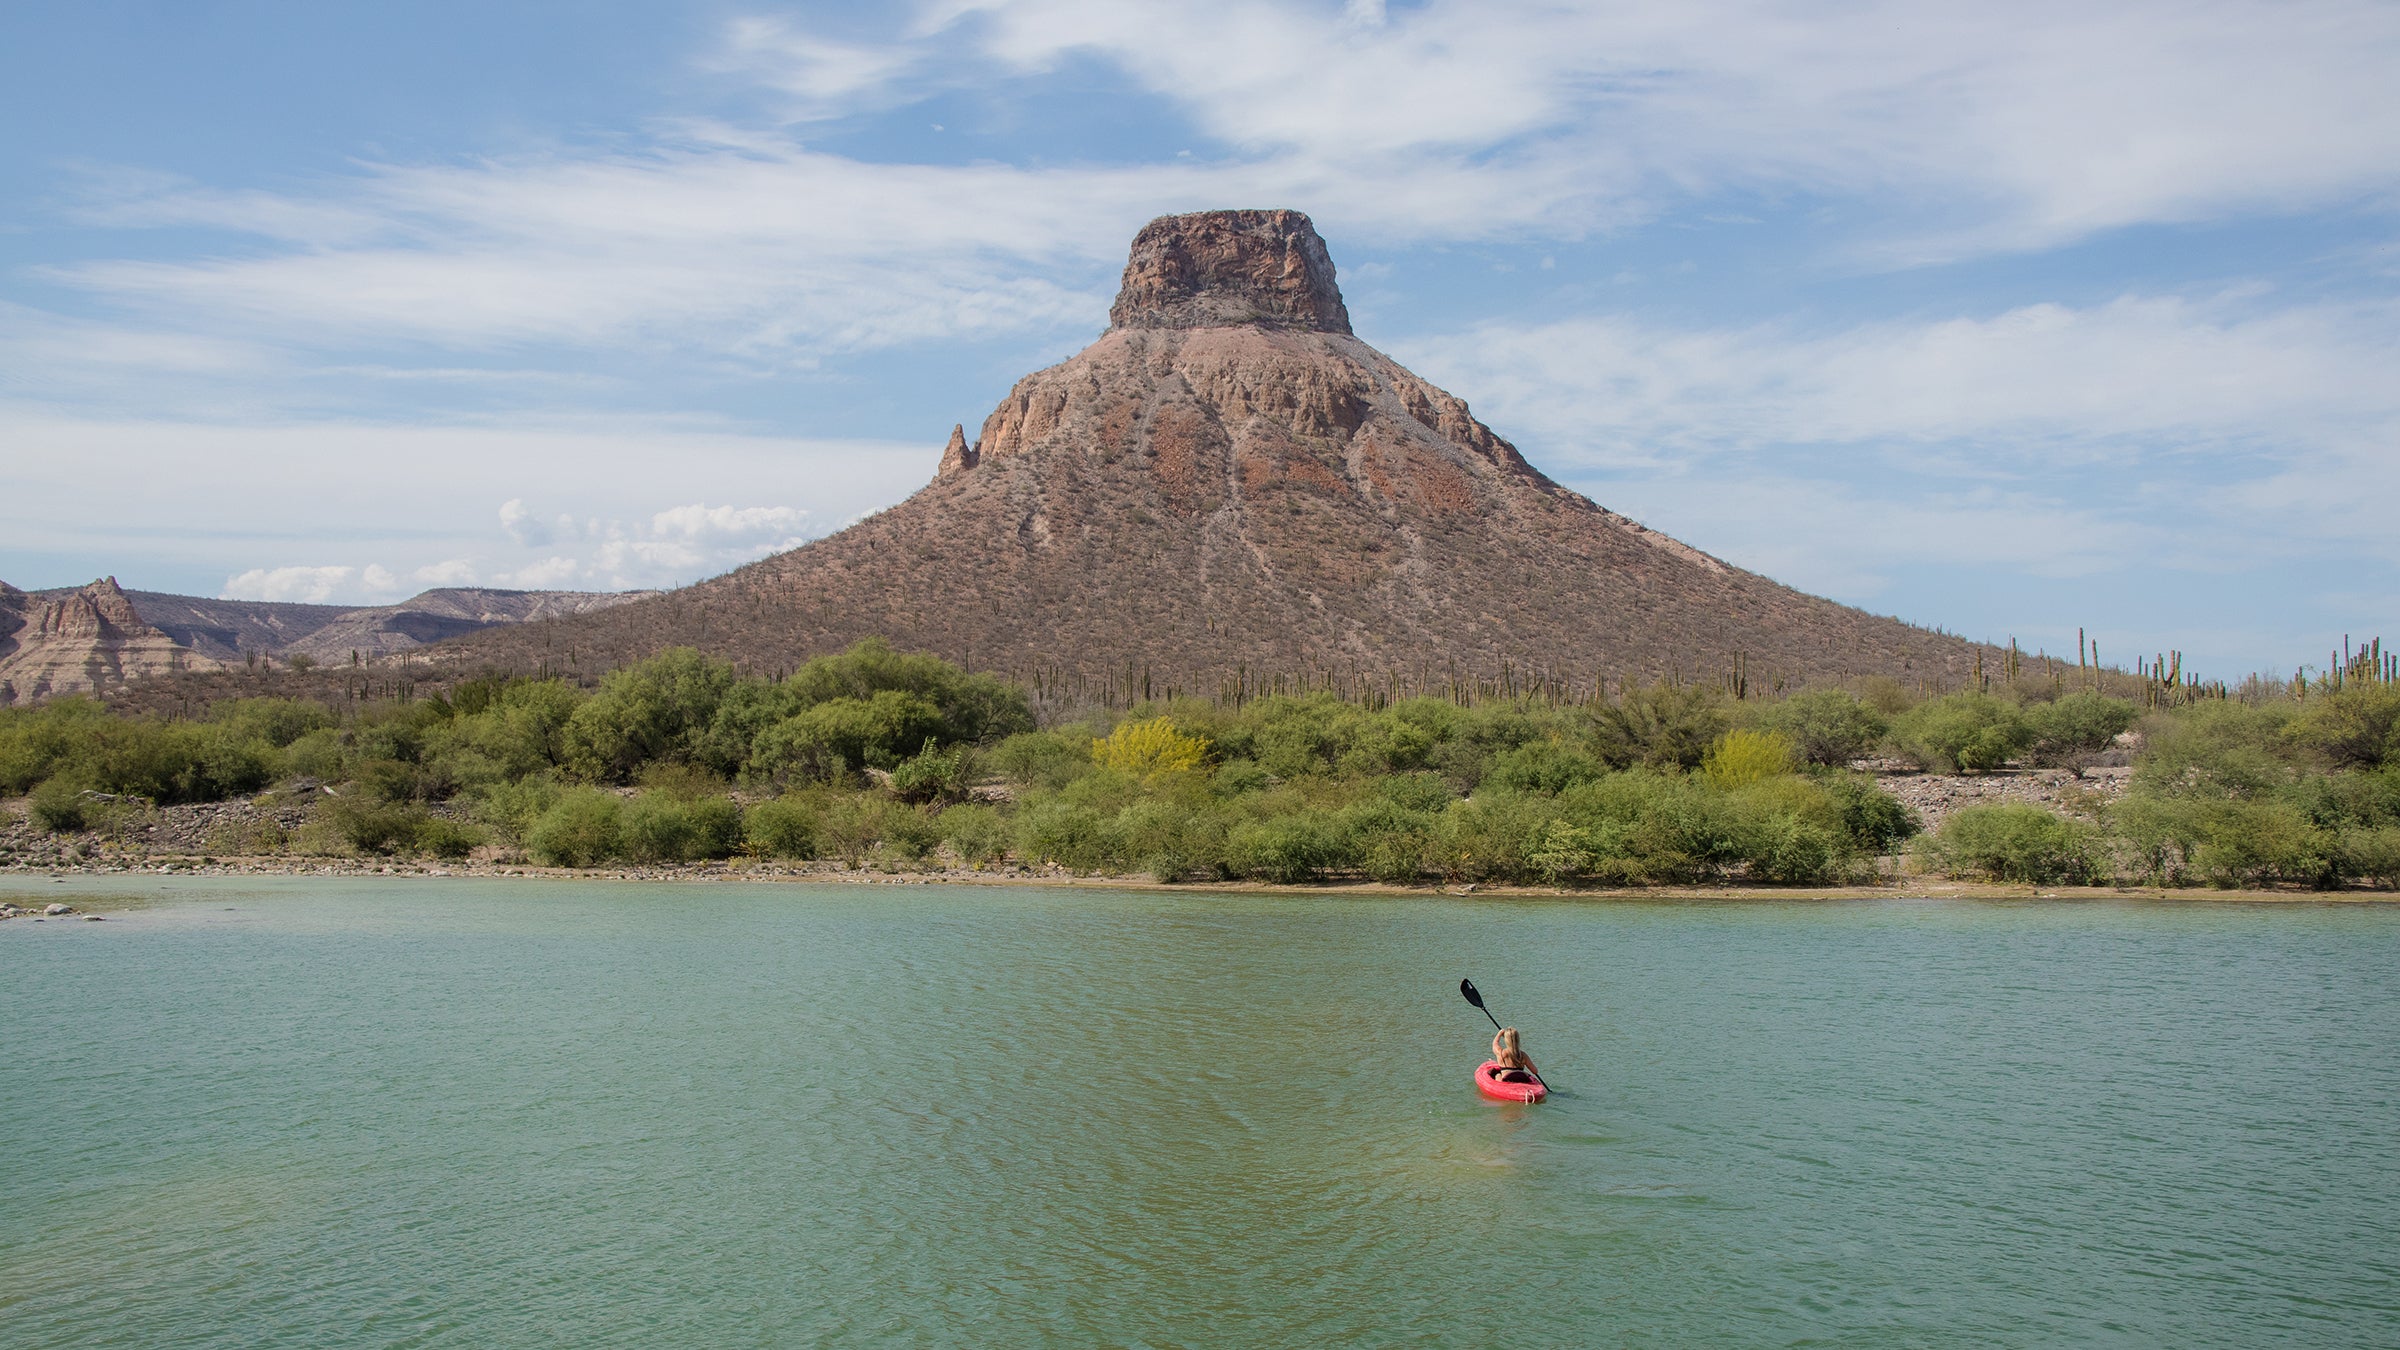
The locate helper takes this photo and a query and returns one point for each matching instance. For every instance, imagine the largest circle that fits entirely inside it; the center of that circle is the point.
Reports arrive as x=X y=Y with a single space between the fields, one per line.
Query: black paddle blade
x=1466 y=988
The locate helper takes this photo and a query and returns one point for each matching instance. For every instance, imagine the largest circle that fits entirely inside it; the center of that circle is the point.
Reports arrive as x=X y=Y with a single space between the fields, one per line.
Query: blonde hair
x=1504 y=1047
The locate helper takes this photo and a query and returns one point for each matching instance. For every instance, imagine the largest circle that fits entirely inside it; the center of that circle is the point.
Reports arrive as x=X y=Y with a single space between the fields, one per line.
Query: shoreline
x=749 y=872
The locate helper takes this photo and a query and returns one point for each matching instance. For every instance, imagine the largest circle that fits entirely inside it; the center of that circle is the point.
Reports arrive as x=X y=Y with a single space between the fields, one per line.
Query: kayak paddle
x=1467 y=989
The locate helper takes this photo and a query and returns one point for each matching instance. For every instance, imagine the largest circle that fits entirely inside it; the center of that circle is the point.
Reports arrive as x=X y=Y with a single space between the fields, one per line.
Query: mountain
x=1229 y=478
x=97 y=637
x=80 y=640
x=232 y=629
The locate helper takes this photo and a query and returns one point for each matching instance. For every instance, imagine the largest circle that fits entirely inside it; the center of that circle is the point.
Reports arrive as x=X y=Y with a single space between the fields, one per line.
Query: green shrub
x=1875 y=821
x=1388 y=837
x=856 y=824
x=2355 y=727
x=273 y=722
x=2220 y=748
x=783 y=827
x=2371 y=854
x=1488 y=836
x=1828 y=726
x=1742 y=757
x=513 y=807
x=1548 y=767
x=846 y=733
x=448 y=839
x=2014 y=842
x=579 y=830
x=973 y=709
x=978 y=834
x=60 y=807
x=318 y=754
x=2262 y=843
x=1290 y=849
x=372 y=826
x=932 y=775
x=2069 y=731
x=1563 y=853
x=1966 y=733
x=656 y=827
x=660 y=708
x=1169 y=836
x=1046 y=759
x=1791 y=850
x=1662 y=726
x=1071 y=835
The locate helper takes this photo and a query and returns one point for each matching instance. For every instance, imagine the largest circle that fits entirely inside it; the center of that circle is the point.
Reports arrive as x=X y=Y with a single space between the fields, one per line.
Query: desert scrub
x=1827 y=727
x=978 y=834
x=782 y=827
x=581 y=829
x=1962 y=733
x=1740 y=758
x=2015 y=842
x=1151 y=745
x=658 y=827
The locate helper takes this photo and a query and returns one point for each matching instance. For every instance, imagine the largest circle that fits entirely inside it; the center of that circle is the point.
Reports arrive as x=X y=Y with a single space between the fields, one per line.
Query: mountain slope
x=1229 y=477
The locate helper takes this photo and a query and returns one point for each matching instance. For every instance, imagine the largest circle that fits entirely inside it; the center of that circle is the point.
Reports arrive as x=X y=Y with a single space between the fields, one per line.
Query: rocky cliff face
x=1229 y=478
x=80 y=641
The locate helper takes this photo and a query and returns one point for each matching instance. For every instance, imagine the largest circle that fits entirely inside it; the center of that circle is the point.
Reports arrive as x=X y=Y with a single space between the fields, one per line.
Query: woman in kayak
x=1515 y=1067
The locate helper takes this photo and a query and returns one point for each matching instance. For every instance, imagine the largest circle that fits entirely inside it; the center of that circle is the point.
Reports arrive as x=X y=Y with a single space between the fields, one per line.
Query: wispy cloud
x=2142 y=375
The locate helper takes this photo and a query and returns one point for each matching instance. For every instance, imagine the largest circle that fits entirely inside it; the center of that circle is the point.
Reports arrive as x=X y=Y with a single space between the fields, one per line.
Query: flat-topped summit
x=1220 y=269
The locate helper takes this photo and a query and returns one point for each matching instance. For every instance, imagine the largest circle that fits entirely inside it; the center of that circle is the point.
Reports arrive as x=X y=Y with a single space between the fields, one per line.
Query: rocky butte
x=82 y=640
x=1229 y=478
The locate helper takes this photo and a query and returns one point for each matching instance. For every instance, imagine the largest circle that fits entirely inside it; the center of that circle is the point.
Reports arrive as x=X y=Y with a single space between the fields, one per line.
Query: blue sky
x=2005 y=319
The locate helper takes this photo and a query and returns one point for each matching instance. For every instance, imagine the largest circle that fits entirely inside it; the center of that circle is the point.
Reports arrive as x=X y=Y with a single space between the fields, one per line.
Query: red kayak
x=1487 y=1082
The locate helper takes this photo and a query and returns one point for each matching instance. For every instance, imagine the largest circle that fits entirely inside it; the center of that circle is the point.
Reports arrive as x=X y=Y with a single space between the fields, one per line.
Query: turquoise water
x=443 y=1112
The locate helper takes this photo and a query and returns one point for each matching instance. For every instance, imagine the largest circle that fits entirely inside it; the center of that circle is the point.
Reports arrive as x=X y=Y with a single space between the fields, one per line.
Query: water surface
x=425 y=1112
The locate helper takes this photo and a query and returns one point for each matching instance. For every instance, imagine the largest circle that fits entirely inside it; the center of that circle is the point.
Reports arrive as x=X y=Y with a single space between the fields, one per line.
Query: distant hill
x=97 y=637
x=231 y=629
x=1228 y=479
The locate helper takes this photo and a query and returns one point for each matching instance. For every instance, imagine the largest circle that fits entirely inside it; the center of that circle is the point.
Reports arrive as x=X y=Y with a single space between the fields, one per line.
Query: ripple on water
x=490 y=1113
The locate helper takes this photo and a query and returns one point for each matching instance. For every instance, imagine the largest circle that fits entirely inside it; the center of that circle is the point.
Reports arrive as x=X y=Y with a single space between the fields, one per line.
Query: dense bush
x=659 y=828
x=581 y=829
x=1965 y=733
x=2015 y=842
x=2071 y=730
x=1740 y=758
x=784 y=827
x=1828 y=727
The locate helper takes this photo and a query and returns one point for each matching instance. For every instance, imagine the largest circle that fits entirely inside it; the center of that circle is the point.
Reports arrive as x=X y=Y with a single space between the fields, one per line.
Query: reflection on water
x=476 y=1112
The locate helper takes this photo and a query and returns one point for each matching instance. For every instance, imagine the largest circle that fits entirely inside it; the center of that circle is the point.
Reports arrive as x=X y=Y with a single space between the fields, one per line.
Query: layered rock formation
x=1229 y=478
x=97 y=637
x=80 y=641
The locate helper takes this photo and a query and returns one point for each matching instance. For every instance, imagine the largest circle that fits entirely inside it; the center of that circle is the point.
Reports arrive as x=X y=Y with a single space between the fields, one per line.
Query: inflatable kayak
x=1487 y=1082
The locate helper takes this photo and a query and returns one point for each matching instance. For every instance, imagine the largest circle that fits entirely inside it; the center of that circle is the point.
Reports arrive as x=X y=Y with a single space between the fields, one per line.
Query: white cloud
x=2051 y=383
x=307 y=585
x=448 y=572
x=821 y=78
x=296 y=490
x=746 y=524
x=2166 y=435
x=2043 y=121
x=547 y=575
x=520 y=525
